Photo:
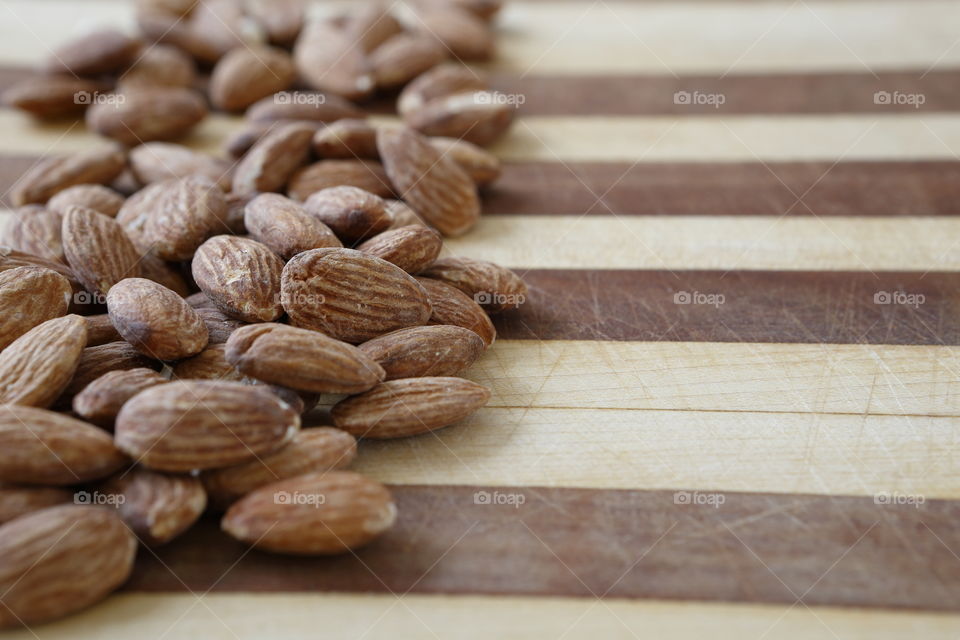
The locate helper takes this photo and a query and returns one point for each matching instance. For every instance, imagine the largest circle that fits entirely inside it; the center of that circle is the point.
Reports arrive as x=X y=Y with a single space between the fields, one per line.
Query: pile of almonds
x=169 y=317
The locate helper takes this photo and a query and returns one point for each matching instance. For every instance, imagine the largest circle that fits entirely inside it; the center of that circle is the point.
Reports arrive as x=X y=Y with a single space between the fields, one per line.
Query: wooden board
x=730 y=404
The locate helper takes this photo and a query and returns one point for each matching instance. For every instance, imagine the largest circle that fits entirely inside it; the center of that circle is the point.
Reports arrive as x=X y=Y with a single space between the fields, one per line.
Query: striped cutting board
x=729 y=407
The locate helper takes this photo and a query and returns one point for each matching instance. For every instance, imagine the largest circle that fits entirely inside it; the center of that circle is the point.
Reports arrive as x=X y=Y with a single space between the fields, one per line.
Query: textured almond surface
x=101 y=400
x=482 y=166
x=494 y=287
x=155 y=320
x=330 y=60
x=35 y=230
x=311 y=451
x=403 y=57
x=363 y=174
x=100 y=330
x=273 y=159
x=247 y=74
x=317 y=513
x=209 y=364
x=53 y=174
x=98 y=250
x=408 y=407
x=442 y=80
x=347 y=139
x=412 y=248
x=93 y=53
x=301 y=359
x=219 y=324
x=60 y=560
x=98 y=360
x=187 y=212
x=148 y=113
x=436 y=350
x=158 y=161
x=164 y=273
x=434 y=185
x=28 y=297
x=241 y=277
x=479 y=117
x=42 y=447
x=18 y=500
x=157 y=506
x=285 y=226
x=353 y=214
x=351 y=296
x=11 y=259
x=36 y=367
x=51 y=96
x=449 y=305
x=92 y=196
x=199 y=424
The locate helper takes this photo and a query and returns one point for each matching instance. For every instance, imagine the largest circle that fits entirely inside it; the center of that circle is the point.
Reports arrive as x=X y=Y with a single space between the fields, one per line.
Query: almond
x=156 y=506
x=224 y=26
x=307 y=106
x=479 y=117
x=311 y=450
x=54 y=174
x=236 y=209
x=38 y=365
x=163 y=273
x=148 y=113
x=16 y=500
x=442 y=80
x=301 y=359
x=97 y=249
x=403 y=215
x=200 y=424
x=155 y=320
x=219 y=325
x=317 y=513
x=438 y=350
x=43 y=447
x=52 y=96
x=273 y=159
x=101 y=359
x=408 y=407
x=348 y=138
x=94 y=53
x=100 y=330
x=412 y=248
x=92 y=196
x=353 y=214
x=60 y=560
x=209 y=364
x=159 y=161
x=441 y=192
x=451 y=306
x=484 y=9
x=159 y=65
x=464 y=35
x=404 y=57
x=281 y=19
x=363 y=174
x=493 y=287
x=329 y=59
x=285 y=227
x=241 y=277
x=351 y=296
x=11 y=259
x=35 y=230
x=30 y=296
x=482 y=166
x=101 y=400
x=371 y=25
x=247 y=74
x=238 y=143
x=171 y=28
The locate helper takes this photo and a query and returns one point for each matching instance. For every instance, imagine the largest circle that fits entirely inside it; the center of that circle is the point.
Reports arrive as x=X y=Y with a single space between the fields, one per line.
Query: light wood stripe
x=296 y=616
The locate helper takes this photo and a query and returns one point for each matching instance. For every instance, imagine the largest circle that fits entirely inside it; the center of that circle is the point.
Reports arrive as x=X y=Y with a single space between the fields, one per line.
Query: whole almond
x=451 y=306
x=159 y=161
x=101 y=400
x=493 y=287
x=461 y=33
x=412 y=248
x=96 y=361
x=281 y=19
x=362 y=174
x=301 y=359
x=238 y=143
x=479 y=117
x=185 y=213
x=94 y=53
x=35 y=230
x=156 y=506
x=155 y=320
x=246 y=75
x=329 y=59
x=482 y=166
x=304 y=106
x=52 y=96
x=200 y=424
x=18 y=500
x=148 y=113
x=408 y=407
x=100 y=330
x=273 y=159
x=317 y=513
x=438 y=350
x=442 y=80
x=241 y=277
x=209 y=364
x=285 y=227
x=43 y=447
x=38 y=365
x=404 y=57
x=97 y=249
x=348 y=138
x=353 y=214
x=30 y=296
x=219 y=324
x=441 y=192
x=51 y=175
x=92 y=196
x=311 y=451
x=351 y=296
x=159 y=65
x=60 y=560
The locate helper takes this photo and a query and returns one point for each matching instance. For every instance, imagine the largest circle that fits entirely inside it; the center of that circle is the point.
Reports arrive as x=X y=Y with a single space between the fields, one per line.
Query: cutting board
x=729 y=405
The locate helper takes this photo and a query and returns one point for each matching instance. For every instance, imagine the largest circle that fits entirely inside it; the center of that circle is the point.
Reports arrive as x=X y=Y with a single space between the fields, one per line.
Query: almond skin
x=317 y=513
x=442 y=80
x=18 y=500
x=159 y=65
x=329 y=59
x=301 y=359
x=101 y=400
x=156 y=506
x=362 y=174
x=273 y=159
x=353 y=214
x=403 y=57
x=408 y=407
x=201 y=424
x=11 y=259
x=30 y=296
x=479 y=117
x=433 y=184
x=101 y=359
x=100 y=330
x=209 y=364
x=281 y=19
x=351 y=296
x=437 y=350
x=219 y=324
x=36 y=367
x=451 y=306
x=182 y=216
x=285 y=226
x=92 y=196
x=241 y=277
x=247 y=74
x=35 y=230
x=51 y=96
x=159 y=161
x=164 y=273
x=312 y=450
x=493 y=287
x=461 y=33
x=43 y=447
x=97 y=249
x=412 y=248
x=403 y=215
x=155 y=320
x=60 y=560
x=482 y=166
x=94 y=53
x=347 y=139
x=54 y=174
x=149 y=113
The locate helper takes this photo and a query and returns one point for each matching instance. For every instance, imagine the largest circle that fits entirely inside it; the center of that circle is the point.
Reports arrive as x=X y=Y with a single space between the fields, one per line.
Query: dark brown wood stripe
x=838 y=551
x=757 y=306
